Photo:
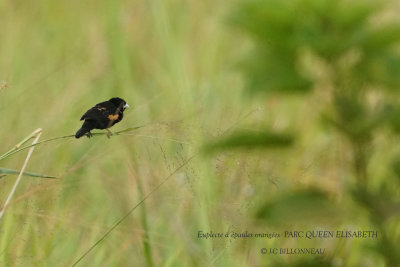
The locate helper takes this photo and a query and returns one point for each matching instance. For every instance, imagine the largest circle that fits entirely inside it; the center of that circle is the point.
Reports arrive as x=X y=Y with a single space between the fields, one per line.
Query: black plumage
x=102 y=116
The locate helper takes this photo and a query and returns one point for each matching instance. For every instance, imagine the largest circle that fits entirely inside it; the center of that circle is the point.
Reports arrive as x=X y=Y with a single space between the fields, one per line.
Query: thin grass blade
x=32 y=174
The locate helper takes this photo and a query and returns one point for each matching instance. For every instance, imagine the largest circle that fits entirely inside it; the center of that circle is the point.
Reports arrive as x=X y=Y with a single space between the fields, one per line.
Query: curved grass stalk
x=17 y=148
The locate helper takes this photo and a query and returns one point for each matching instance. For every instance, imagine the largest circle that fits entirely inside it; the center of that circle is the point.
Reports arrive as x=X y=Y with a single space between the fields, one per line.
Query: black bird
x=102 y=116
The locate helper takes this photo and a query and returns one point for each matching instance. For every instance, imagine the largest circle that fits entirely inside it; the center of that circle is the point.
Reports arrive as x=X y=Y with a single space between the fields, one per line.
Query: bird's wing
x=101 y=110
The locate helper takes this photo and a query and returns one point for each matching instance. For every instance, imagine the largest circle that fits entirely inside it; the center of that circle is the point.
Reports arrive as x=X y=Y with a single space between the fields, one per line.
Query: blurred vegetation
x=344 y=49
x=318 y=78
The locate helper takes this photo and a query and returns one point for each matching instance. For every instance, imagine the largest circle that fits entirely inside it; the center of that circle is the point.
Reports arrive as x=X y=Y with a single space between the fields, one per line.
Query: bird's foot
x=109 y=133
x=89 y=134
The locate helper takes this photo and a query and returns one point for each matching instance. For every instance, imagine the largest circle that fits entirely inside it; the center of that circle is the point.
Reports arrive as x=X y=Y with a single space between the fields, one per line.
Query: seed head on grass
x=3 y=85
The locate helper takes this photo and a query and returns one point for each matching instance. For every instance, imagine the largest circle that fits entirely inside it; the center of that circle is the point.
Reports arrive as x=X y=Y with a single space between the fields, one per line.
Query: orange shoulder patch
x=113 y=117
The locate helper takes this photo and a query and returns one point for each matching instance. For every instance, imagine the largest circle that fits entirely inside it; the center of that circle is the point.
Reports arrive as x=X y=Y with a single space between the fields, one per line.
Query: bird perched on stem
x=102 y=116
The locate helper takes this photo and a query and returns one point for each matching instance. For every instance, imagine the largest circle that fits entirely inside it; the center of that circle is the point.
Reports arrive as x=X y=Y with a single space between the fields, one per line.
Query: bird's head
x=119 y=102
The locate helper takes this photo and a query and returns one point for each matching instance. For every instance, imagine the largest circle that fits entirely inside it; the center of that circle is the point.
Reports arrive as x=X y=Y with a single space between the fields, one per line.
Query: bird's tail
x=81 y=132
x=86 y=127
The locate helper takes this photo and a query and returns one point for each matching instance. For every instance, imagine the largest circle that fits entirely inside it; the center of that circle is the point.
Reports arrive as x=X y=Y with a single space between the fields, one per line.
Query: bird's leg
x=109 y=133
x=89 y=134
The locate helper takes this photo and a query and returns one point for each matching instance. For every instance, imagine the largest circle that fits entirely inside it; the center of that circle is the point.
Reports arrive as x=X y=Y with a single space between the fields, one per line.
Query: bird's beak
x=126 y=106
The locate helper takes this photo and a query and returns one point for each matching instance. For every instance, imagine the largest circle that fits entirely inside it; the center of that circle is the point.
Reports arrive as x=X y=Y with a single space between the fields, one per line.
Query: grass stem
x=38 y=132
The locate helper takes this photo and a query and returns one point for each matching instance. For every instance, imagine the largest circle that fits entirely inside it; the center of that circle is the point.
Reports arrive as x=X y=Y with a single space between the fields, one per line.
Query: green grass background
x=175 y=63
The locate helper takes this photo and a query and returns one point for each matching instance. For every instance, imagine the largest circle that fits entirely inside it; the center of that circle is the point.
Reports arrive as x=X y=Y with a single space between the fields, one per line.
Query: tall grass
x=175 y=64
x=59 y=59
